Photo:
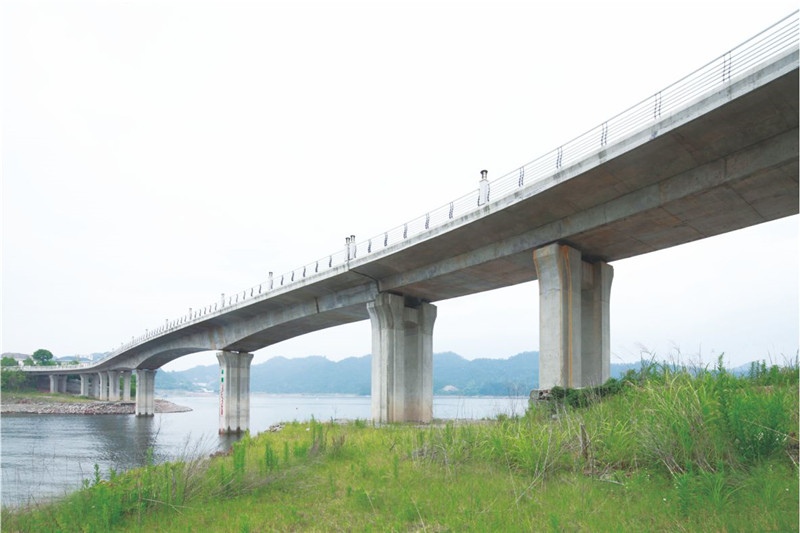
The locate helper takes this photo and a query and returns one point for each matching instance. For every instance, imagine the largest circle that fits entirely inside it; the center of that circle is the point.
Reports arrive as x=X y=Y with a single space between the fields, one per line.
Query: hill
x=452 y=374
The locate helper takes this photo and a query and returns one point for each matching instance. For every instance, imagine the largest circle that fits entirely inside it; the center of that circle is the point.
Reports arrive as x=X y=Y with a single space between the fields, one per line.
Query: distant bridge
x=715 y=152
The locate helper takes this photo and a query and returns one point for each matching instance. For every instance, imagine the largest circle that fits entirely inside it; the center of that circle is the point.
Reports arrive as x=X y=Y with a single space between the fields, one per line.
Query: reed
x=666 y=448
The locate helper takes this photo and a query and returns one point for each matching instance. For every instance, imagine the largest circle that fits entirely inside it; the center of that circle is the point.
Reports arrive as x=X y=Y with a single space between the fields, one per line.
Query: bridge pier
x=145 y=392
x=126 y=385
x=574 y=326
x=113 y=385
x=234 y=391
x=102 y=386
x=402 y=359
x=84 y=384
x=58 y=383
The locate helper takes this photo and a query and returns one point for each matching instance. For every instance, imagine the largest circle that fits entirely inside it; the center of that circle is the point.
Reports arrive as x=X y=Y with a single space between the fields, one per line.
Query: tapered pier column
x=126 y=386
x=145 y=392
x=84 y=384
x=402 y=359
x=103 y=385
x=113 y=385
x=574 y=325
x=234 y=391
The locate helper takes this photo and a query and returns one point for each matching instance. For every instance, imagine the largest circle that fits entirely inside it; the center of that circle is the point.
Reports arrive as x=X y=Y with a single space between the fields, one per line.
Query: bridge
x=715 y=152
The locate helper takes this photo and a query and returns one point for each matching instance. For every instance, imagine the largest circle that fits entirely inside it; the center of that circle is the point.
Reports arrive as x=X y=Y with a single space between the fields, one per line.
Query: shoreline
x=52 y=406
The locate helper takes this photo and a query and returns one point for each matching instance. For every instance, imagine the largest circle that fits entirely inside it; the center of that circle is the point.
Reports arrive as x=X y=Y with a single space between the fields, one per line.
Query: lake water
x=46 y=456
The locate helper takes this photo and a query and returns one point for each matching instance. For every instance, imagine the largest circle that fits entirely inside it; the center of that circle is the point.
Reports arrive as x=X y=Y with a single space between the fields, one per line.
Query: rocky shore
x=47 y=406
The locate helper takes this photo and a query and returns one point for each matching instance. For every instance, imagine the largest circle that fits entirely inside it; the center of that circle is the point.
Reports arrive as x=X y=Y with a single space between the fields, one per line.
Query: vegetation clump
x=665 y=448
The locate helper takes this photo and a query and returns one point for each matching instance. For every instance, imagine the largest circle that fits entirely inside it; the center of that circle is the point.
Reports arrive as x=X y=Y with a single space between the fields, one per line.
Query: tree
x=15 y=380
x=8 y=361
x=43 y=357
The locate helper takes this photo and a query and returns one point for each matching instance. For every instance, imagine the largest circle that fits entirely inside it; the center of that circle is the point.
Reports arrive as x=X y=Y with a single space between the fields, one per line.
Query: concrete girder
x=604 y=229
x=262 y=329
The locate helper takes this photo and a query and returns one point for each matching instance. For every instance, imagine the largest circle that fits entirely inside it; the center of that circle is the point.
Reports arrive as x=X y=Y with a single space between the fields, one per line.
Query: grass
x=46 y=396
x=667 y=450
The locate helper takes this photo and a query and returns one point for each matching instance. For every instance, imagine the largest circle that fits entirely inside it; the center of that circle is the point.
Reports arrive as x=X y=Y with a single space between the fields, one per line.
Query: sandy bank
x=47 y=406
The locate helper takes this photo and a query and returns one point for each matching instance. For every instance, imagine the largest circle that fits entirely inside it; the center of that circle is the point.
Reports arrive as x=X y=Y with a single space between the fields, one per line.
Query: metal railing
x=779 y=39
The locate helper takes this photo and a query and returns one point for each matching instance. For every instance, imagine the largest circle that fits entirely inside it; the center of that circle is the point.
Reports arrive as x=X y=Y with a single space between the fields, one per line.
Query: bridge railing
x=779 y=39
x=50 y=368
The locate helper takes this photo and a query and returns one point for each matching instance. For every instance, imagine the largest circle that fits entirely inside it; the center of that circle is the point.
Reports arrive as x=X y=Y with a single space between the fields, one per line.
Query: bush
x=14 y=380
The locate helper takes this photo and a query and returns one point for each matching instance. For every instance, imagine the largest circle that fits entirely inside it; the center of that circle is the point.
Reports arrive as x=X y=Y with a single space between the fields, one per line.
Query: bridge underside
x=735 y=168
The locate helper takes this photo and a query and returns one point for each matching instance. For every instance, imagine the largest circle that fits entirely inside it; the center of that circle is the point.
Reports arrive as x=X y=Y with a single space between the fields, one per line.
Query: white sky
x=158 y=153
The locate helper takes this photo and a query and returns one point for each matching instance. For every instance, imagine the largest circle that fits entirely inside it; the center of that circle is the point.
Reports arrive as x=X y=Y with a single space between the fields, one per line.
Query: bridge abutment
x=402 y=359
x=234 y=391
x=574 y=325
x=145 y=392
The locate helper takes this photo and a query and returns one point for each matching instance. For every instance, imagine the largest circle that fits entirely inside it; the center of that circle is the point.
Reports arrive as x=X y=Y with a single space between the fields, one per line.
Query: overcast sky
x=158 y=153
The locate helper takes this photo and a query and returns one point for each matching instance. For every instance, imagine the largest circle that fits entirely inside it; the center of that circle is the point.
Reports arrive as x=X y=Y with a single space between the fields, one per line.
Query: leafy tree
x=12 y=380
x=28 y=362
x=43 y=357
x=8 y=361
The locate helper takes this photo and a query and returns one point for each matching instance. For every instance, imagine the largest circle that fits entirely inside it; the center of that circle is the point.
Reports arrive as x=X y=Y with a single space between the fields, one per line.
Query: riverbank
x=664 y=451
x=63 y=404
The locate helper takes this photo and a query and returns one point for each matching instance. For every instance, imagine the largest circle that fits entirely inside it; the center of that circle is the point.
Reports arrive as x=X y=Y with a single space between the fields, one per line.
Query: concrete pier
x=234 y=391
x=145 y=392
x=402 y=359
x=84 y=384
x=58 y=383
x=103 y=381
x=113 y=385
x=126 y=385
x=574 y=327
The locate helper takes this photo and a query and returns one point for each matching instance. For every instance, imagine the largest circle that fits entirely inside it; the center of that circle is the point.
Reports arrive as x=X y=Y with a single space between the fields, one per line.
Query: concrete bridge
x=715 y=152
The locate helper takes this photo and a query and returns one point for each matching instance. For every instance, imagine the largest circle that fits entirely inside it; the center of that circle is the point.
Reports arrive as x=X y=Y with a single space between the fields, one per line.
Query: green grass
x=668 y=450
x=46 y=396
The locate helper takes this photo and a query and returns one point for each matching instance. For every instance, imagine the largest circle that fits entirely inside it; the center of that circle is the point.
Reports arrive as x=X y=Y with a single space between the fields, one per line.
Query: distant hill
x=452 y=374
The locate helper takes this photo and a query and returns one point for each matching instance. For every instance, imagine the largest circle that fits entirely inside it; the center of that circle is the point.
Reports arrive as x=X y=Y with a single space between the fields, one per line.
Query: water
x=46 y=456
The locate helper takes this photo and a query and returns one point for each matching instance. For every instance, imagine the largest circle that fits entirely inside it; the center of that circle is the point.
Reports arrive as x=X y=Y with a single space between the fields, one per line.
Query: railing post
x=483 y=188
